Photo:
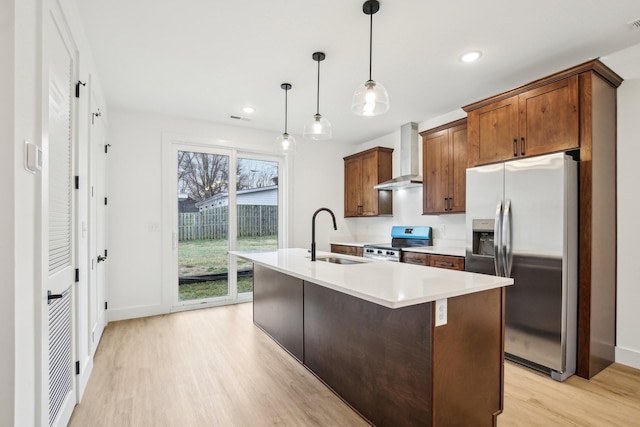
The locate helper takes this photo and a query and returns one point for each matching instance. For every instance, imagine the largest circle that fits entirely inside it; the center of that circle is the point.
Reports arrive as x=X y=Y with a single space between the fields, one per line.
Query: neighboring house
x=186 y=204
x=263 y=196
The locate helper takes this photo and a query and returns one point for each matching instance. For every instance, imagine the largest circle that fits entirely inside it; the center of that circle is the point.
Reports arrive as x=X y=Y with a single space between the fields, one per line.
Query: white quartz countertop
x=390 y=284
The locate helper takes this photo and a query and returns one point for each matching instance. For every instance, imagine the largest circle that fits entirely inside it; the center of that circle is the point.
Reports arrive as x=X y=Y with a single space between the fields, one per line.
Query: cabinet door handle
x=450 y=204
x=515 y=147
x=522 y=145
x=446 y=205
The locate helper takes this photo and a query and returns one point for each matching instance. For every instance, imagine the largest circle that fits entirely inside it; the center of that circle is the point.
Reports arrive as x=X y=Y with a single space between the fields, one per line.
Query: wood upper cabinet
x=444 y=152
x=361 y=172
x=537 y=121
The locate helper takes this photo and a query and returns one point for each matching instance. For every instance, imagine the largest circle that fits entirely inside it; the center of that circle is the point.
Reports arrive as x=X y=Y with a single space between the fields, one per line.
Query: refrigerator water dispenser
x=483 y=237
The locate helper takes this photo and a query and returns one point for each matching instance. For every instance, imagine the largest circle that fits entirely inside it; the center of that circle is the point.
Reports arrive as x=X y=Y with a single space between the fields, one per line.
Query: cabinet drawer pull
x=522 y=146
x=444 y=264
x=515 y=147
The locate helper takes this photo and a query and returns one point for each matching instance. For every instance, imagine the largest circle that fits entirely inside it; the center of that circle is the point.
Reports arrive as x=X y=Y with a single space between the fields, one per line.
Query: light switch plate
x=441 y=312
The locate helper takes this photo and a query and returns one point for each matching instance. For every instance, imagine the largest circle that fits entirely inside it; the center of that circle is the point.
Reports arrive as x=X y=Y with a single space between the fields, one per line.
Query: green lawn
x=204 y=257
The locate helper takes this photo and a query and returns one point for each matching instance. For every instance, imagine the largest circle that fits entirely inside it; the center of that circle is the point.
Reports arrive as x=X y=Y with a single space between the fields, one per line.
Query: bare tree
x=202 y=175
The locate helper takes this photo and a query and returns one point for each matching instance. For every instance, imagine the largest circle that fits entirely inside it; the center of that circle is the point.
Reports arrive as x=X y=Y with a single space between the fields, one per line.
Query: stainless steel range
x=401 y=237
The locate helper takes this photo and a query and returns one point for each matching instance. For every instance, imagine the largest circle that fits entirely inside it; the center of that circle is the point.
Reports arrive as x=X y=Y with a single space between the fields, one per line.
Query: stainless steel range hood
x=409 y=173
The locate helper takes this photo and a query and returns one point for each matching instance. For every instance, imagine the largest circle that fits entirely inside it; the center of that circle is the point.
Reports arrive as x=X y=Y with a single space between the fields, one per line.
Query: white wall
x=628 y=296
x=135 y=198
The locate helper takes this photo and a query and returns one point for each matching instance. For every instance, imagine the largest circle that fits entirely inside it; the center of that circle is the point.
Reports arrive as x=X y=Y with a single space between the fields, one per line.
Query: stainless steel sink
x=337 y=260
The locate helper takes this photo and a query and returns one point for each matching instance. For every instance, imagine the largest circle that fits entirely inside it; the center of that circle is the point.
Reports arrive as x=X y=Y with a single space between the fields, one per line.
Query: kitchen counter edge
x=389 y=284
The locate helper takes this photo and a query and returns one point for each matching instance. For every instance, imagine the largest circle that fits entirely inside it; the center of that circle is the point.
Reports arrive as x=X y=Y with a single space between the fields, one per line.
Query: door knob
x=101 y=258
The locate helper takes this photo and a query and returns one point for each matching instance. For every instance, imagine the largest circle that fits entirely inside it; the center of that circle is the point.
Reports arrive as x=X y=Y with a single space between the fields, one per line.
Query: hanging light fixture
x=285 y=142
x=370 y=99
x=319 y=127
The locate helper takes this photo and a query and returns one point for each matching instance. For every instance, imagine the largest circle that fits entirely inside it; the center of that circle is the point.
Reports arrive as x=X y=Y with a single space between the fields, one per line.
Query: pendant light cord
x=370 y=42
x=318 y=93
x=286 y=92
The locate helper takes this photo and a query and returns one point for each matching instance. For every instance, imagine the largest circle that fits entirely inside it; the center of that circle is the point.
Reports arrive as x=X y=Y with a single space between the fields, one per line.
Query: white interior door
x=58 y=203
x=98 y=227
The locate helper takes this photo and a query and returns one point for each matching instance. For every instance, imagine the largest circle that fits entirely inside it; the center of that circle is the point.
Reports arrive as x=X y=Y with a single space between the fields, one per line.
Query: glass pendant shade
x=370 y=99
x=319 y=128
x=285 y=143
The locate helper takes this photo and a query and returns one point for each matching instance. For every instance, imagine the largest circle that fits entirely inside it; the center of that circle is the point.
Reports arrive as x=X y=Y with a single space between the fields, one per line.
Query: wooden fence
x=253 y=220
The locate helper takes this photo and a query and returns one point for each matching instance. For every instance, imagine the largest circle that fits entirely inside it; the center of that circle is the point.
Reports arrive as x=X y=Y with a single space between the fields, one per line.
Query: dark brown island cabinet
x=395 y=367
x=572 y=111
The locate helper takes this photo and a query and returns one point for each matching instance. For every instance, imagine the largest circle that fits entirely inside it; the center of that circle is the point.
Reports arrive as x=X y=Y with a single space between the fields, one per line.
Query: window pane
x=203 y=225
x=257 y=206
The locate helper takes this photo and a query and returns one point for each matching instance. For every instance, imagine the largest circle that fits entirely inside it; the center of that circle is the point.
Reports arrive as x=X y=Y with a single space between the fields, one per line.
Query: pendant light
x=319 y=127
x=285 y=143
x=370 y=99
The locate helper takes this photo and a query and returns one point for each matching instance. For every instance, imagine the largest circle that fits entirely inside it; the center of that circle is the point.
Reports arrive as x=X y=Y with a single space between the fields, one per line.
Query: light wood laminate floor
x=213 y=367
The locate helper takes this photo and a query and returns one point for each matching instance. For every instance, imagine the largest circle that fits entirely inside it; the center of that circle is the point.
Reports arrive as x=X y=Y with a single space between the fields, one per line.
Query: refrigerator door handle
x=507 y=244
x=497 y=240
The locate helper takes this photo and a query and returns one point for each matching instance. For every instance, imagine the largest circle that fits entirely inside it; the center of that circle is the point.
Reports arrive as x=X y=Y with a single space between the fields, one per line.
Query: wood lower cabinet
x=541 y=120
x=361 y=172
x=414 y=258
x=433 y=260
x=347 y=250
x=444 y=160
x=447 y=261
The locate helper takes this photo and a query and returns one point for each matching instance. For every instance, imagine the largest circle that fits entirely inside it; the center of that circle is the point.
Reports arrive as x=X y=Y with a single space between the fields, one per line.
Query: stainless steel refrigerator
x=522 y=222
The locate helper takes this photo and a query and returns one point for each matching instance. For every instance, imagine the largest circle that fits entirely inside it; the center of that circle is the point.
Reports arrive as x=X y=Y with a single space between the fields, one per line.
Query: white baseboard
x=135 y=312
x=628 y=357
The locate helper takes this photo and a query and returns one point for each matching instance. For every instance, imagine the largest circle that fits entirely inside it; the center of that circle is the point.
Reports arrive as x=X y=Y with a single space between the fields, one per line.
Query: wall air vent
x=634 y=24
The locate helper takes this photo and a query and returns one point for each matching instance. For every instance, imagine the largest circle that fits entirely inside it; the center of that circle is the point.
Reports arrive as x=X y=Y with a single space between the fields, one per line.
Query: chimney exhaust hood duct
x=409 y=174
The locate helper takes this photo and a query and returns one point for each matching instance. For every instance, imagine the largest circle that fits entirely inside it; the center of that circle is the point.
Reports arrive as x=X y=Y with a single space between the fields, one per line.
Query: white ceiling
x=206 y=59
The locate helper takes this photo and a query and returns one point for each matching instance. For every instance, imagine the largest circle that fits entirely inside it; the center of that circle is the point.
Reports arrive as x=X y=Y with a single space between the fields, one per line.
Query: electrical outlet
x=441 y=312
x=443 y=230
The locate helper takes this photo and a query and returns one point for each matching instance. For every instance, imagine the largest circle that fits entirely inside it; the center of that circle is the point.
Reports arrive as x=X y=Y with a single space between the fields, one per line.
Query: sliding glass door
x=222 y=200
x=257 y=214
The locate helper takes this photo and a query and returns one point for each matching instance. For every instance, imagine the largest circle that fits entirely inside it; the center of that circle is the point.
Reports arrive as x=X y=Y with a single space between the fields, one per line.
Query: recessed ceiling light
x=471 y=56
x=248 y=110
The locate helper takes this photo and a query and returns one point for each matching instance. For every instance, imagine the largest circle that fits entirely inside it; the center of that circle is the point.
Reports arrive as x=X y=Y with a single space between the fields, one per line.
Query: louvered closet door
x=59 y=207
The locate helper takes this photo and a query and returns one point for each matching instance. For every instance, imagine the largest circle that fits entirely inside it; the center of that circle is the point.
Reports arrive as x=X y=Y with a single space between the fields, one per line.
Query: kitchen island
x=403 y=345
